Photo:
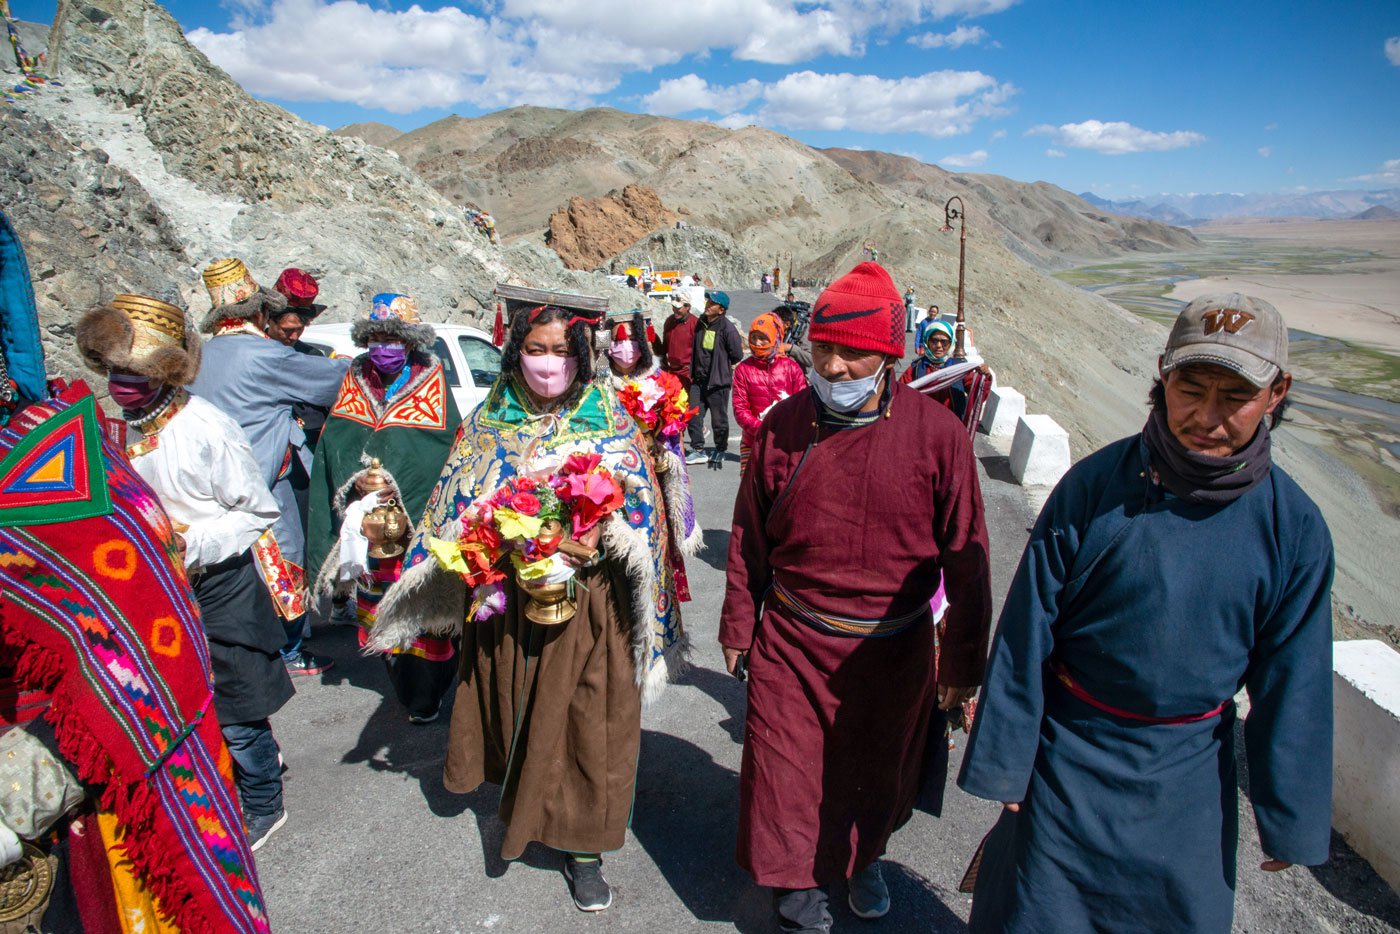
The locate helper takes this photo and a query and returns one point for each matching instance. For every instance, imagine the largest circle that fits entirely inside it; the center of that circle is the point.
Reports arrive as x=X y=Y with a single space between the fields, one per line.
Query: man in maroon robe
x=858 y=493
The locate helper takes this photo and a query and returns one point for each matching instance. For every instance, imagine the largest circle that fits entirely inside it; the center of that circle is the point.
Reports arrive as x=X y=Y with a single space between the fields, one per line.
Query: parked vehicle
x=470 y=360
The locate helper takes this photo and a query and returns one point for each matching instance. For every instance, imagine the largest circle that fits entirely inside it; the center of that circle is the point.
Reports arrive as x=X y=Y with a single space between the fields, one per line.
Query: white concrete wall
x=1039 y=451
x=1366 y=752
x=1004 y=407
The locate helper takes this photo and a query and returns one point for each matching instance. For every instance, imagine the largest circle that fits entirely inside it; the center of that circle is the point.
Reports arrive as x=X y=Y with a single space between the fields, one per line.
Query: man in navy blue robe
x=1167 y=571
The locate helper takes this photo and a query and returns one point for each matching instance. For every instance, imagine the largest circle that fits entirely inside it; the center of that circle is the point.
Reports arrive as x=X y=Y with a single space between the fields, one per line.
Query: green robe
x=411 y=435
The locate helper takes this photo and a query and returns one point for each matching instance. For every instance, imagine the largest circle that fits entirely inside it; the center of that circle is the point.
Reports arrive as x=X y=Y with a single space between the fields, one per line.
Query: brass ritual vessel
x=660 y=462
x=551 y=604
x=386 y=525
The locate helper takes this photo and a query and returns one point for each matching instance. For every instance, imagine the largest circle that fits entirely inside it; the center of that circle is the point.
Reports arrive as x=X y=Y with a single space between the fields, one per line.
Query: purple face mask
x=388 y=358
x=132 y=392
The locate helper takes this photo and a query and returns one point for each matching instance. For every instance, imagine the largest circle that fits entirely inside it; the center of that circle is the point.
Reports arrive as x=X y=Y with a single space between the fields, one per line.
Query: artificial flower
x=516 y=526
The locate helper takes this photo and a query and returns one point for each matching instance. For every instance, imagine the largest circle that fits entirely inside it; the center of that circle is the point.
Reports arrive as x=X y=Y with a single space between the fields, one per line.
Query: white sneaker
x=697 y=457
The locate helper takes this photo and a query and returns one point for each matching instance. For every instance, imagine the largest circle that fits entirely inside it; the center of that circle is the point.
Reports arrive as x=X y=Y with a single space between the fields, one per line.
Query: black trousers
x=716 y=402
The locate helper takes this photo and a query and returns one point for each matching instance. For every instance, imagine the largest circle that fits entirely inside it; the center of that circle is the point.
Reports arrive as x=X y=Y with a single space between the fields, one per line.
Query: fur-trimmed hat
x=142 y=335
x=394 y=316
x=236 y=294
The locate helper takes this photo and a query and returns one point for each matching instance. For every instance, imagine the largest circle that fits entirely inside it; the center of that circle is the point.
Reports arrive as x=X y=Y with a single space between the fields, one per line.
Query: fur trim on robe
x=428 y=599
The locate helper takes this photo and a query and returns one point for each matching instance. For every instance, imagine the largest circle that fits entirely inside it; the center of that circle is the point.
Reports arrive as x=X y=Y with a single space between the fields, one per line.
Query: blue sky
x=1122 y=98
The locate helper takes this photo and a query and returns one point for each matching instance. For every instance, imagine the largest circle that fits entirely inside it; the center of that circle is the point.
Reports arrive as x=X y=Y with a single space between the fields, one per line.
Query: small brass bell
x=386 y=525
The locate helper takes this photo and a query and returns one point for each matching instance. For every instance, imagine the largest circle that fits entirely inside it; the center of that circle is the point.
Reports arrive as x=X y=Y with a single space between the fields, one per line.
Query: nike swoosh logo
x=822 y=316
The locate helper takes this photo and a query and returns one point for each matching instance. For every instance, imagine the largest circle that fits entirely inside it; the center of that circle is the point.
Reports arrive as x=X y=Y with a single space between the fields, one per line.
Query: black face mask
x=1205 y=478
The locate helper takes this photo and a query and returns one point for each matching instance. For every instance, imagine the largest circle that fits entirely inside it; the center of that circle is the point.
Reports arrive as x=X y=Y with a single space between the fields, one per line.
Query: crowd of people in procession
x=531 y=553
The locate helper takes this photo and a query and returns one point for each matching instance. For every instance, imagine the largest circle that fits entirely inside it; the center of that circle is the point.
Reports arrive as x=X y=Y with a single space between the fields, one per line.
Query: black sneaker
x=304 y=663
x=263 y=826
x=418 y=719
x=717 y=460
x=591 y=890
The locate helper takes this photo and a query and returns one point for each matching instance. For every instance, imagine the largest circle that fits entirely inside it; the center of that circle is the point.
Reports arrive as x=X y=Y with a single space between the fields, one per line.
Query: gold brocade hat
x=142 y=335
x=234 y=293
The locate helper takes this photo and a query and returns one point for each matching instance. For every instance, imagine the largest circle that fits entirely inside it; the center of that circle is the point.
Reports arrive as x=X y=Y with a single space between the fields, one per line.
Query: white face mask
x=846 y=396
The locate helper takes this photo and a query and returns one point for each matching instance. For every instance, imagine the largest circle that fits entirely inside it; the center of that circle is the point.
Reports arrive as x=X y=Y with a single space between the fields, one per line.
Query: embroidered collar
x=420 y=366
x=587 y=415
x=152 y=425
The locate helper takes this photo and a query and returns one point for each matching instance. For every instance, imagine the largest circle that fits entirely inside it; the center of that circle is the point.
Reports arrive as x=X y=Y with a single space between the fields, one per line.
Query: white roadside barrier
x=1039 y=451
x=1366 y=752
x=1004 y=406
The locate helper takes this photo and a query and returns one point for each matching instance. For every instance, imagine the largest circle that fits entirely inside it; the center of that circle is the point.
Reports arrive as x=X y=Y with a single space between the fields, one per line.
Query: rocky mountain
x=1193 y=209
x=1041 y=221
x=149 y=162
x=1378 y=213
x=376 y=134
x=772 y=193
x=590 y=231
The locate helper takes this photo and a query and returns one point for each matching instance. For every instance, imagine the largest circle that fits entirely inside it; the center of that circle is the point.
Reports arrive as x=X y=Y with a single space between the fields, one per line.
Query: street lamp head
x=945 y=228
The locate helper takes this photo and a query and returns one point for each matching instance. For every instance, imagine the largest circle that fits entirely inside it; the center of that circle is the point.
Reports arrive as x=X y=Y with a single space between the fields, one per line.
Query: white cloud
x=963 y=35
x=1266 y=151
x=1115 y=138
x=997 y=134
x=548 y=52
x=1388 y=174
x=1271 y=126
x=1392 y=50
x=937 y=104
x=1055 y=153
x=966 y=160
x=692 y=92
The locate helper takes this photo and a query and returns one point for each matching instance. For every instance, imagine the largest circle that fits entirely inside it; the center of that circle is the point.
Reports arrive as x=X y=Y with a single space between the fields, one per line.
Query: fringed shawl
x=97 y=612
x=501 y=435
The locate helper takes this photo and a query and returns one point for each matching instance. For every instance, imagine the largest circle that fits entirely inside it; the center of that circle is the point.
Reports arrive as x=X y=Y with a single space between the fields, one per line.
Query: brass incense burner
x=386 y=525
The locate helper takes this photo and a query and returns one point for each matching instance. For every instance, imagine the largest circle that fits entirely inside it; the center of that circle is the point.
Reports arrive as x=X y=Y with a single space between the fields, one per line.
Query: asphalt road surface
x=375 y=843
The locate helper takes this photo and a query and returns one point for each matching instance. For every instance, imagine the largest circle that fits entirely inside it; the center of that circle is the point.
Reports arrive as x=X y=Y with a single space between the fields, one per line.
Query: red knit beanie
x=862 y=310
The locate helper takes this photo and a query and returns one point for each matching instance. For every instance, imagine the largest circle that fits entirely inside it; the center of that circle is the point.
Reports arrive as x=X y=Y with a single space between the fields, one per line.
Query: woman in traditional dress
x=395 y=407
x=550 y=713
x=629 y=354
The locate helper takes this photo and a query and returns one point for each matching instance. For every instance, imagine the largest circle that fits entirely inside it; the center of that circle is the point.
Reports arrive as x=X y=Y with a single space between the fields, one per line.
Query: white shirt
x=204 y=472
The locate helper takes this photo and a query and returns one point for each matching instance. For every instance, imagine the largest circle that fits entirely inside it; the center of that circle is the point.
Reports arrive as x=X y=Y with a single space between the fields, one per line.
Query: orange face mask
x=767 y=330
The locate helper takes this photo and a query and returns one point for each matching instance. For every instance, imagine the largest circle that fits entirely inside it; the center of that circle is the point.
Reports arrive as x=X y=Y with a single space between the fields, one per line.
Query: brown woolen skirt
x=553 y=715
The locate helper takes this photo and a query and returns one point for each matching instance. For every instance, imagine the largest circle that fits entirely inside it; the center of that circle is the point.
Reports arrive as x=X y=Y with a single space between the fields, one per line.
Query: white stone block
x=1366 y=752
x=1039 y=451
x=1004 y=406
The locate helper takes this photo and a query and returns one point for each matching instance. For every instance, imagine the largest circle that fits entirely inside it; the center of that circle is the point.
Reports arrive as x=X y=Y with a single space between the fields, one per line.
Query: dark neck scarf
x=841 y=421
x=1204 y=478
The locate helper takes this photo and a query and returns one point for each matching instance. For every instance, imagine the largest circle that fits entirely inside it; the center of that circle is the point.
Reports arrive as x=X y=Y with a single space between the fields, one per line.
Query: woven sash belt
x=845 y=625
x=1069 y=683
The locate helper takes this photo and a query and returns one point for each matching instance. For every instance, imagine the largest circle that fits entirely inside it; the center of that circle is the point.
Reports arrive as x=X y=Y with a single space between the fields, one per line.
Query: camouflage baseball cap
x=1243 y=334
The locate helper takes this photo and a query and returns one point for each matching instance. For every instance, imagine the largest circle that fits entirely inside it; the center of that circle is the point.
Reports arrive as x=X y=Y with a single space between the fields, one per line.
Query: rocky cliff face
x=589 y=232
x=150 y=162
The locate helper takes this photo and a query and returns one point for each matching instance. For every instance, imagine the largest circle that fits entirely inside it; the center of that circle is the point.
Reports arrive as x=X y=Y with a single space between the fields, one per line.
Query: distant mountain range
x=1192 y=209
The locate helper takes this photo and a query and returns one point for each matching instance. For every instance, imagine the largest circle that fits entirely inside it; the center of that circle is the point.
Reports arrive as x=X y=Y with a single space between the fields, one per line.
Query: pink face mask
x=132 y=392
x=548 y=376
x=624 y=353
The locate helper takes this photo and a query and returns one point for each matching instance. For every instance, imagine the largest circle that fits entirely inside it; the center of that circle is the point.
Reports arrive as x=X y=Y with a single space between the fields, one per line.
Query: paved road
x=375 y=842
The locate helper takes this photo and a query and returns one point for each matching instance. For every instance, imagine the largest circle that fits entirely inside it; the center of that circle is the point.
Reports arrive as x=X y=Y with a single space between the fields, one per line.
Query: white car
x=469 y=358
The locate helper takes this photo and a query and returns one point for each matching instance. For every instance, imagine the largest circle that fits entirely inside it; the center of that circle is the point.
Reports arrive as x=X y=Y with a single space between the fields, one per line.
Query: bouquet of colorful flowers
x=659 y=403
x=525 y=519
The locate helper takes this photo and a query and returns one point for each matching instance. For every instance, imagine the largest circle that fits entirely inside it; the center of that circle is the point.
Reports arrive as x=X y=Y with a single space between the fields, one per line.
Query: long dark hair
x=637 y=331
x=1157 y=396
x=526 y=319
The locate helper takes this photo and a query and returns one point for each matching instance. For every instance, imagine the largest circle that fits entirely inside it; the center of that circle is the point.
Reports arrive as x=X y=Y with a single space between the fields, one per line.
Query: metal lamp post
x=958 y=214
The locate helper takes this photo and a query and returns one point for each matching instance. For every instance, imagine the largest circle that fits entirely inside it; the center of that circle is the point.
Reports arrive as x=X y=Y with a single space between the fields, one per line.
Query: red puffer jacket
x=758 y=384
